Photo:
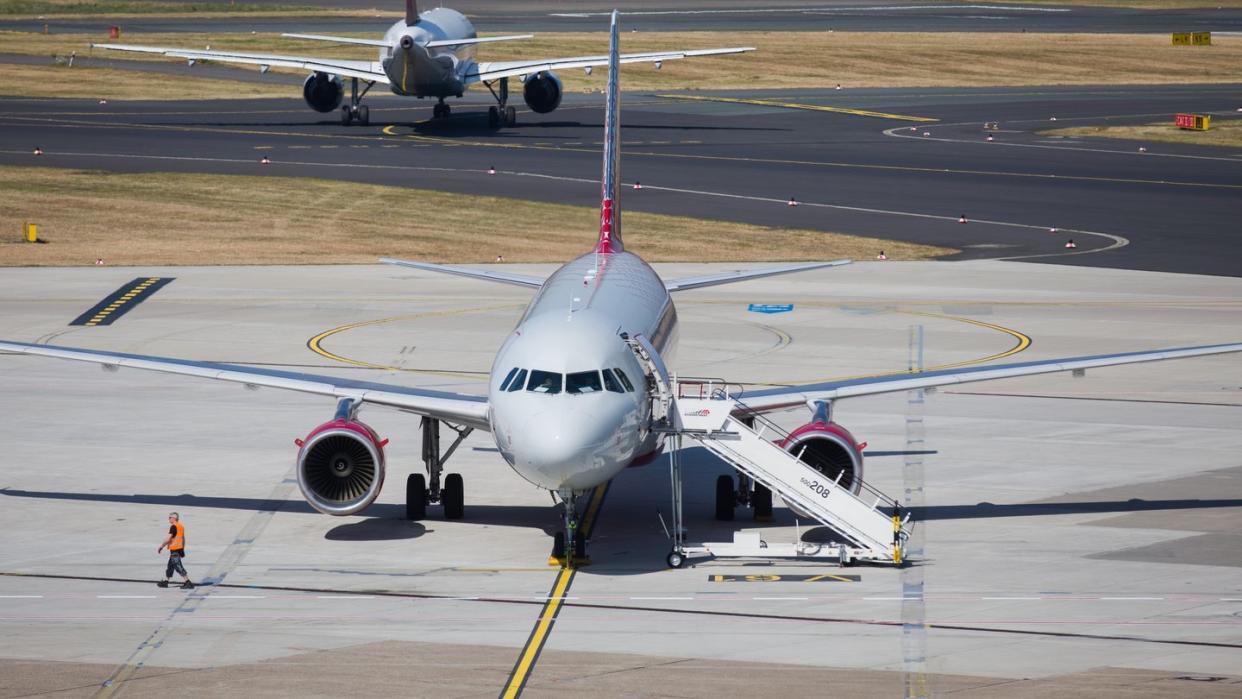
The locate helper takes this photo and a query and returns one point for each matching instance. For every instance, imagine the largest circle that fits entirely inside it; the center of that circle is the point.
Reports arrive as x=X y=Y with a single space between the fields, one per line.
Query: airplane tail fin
x=411 y=12
x=610 y=209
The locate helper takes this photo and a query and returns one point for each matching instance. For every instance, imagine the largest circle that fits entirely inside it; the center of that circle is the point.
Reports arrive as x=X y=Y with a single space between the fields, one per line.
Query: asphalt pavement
x=854 y=160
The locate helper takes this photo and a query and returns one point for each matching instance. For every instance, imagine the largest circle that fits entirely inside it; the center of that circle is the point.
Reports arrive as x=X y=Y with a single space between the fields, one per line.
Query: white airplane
x=569 y=402
x=425 y=55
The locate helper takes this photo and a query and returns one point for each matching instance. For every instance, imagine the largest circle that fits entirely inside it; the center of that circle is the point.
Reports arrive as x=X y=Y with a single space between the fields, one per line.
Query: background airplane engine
x=542 y=92
x=341 y=466
x=830 y=449
x=323 y=92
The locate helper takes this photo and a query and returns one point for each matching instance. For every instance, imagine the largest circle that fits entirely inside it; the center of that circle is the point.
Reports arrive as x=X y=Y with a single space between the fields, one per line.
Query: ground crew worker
x=175 y=543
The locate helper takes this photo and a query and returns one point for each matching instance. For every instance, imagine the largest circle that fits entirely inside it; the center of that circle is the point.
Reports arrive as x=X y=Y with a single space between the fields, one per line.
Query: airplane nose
x=566 y=449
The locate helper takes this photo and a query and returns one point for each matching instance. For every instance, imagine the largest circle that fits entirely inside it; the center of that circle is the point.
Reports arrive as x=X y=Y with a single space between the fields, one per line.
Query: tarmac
x=1077 y=535
x=890 y=163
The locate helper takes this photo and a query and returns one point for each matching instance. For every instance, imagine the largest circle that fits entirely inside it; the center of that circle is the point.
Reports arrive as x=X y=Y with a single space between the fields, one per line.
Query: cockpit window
x=517 y=382
x=625 y=380
x=504 y=386
x=583 y=382
x=544 y=382
x=611 y=383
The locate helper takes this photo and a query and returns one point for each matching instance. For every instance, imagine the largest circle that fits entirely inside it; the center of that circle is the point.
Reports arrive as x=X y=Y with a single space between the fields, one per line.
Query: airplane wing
x=486 y=72
x=740 y=275
x=784 y=398
x=489 y=275
x=451 y=407
x=363 y=70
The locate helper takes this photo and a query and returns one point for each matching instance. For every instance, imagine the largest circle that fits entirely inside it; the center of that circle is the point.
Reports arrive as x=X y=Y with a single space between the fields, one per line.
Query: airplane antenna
x=411 y=12
x=610 y=210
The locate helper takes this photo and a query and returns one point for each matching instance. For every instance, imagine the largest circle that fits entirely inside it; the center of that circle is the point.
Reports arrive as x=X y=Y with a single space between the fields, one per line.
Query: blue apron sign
x=770 y=307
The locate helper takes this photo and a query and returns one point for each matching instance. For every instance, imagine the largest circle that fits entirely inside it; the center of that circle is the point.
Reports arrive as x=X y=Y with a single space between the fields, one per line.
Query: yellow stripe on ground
x=315 y=343
x=794 y=105
x=547 y=615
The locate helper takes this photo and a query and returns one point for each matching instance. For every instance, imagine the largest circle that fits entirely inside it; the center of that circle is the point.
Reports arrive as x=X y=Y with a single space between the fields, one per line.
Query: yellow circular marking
x=315 y=344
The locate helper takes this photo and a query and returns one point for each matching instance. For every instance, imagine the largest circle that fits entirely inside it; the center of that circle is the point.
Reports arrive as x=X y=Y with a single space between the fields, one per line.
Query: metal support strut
x=569 y=545
x=502 y=114
x=354 y=111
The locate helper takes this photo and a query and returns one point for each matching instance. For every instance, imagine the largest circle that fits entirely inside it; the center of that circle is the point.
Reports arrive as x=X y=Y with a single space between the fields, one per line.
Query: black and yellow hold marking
x=824 y=577
x=551 y=608
x=794 y=105
x=122 y=301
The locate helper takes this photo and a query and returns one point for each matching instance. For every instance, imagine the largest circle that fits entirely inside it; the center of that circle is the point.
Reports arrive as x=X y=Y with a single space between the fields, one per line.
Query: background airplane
x=425 y=55
x=572 y=393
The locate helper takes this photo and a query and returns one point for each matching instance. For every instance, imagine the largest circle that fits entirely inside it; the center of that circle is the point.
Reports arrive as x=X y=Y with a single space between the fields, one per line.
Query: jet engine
x=341 y=466
x=542 y=92
x=828 y=448
x=323 y=92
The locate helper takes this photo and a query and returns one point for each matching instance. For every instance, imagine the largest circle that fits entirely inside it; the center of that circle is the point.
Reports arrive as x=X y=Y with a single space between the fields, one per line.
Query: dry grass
x=101 y=83
x=179 y=219
x=17 y=9
x=800 y=60
x=1226 y=133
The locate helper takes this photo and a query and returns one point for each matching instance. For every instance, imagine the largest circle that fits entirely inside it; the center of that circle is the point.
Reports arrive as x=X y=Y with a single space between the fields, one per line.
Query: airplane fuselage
x=414 y=69
x=569 y=401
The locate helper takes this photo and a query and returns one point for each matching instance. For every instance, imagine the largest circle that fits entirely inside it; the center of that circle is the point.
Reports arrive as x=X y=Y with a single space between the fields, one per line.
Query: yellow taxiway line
x=794 y=105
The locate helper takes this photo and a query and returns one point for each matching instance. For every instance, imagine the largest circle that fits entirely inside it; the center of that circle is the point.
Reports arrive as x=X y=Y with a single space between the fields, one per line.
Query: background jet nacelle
x=323 y=92
x=542 y=92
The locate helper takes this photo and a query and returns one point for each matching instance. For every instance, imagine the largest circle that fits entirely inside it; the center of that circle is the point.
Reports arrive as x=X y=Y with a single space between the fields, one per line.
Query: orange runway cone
x=491 y=170
x=961 y=219
x=38 y=151
x=98 y=261
x=792 y=202
x=638 y=185
x=265 y=160
x=1052 y=230
x=881 y=256
x=989 y=137
x=1071 y=244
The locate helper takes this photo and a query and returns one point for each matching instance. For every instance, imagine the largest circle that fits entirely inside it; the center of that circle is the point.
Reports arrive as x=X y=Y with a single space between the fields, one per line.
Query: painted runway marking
x=121 y=301
x=21 y=596
x=817 y=10
x=124 y=596
x=794 y=105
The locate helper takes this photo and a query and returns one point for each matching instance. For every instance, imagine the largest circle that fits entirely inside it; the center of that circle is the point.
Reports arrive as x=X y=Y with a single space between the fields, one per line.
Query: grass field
x=1224 y=132
x=181 y=219
x=28 y=81
x=823 y=59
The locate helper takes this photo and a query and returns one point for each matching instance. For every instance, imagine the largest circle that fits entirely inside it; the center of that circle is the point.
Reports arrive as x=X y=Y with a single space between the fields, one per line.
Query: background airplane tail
x=610 y=209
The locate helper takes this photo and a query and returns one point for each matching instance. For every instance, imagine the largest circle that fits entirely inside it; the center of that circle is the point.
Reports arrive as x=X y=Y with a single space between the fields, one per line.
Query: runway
x=769 y=15
x=1079 y=534
x=898 y=163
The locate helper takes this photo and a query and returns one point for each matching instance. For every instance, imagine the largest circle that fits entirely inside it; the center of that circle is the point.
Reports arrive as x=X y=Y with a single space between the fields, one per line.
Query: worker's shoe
x=162 y=583
x=187 y=585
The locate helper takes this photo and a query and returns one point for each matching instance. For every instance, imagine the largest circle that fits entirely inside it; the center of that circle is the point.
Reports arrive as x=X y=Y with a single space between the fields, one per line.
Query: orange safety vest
x=178 y=540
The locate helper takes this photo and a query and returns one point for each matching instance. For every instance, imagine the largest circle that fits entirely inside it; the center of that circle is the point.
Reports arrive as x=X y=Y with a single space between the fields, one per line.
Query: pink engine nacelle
x=341 y=466
x=830 y=449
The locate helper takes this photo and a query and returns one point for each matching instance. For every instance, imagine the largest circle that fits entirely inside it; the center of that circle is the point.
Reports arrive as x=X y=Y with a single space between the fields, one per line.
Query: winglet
x=411 y=12
x=610 y=209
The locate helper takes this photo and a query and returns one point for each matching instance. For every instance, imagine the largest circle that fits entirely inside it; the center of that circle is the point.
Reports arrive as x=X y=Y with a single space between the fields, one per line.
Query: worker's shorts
x=174 y=564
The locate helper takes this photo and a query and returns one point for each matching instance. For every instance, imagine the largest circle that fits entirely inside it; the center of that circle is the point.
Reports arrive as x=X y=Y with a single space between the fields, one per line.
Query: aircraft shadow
x=476 y=126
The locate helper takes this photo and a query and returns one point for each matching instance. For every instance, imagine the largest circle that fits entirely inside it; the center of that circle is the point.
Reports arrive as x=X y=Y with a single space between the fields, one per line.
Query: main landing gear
x=569 y=545
x=441 y=110
x=502 y=114
x=452 y=494
x=748 y=493
x=355 y=111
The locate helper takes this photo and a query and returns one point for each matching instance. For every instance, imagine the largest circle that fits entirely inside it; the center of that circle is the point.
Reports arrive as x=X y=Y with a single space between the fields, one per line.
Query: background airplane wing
x=364 y=70
x=452 y=407
x=489 y=275
x=773 y=399
x=744 y=274
x=486 y=72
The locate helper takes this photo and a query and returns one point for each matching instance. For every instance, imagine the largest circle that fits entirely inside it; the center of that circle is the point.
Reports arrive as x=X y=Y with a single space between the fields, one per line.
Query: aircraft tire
x=364 y=116
x=347 y=116
x=675 y=560
x=725 y=498
x=493 y=118
x=415 y=497
x=453 y=496
x=762 y=502
x=510 y=116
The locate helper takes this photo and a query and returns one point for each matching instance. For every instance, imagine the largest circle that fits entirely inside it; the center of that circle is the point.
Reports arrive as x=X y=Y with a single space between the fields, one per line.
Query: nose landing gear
x=569 y=546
